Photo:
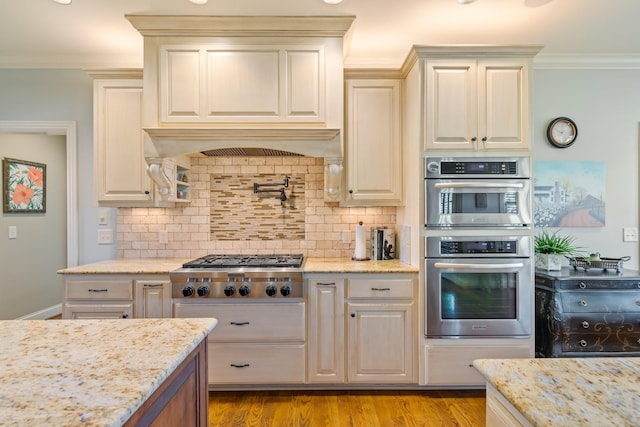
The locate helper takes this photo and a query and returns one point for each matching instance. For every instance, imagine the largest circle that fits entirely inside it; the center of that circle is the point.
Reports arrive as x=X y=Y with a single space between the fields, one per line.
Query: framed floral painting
x=24 y=186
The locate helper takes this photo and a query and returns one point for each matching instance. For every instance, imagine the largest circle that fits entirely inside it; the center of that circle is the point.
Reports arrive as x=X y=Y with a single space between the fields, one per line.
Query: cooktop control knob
x=244 y=290
x=285 y=290
x=203 y=291
x=229 y=290
x=271 y=290
x=188 y=291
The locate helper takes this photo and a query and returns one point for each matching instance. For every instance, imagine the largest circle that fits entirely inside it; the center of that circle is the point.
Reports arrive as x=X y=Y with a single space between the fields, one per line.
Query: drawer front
x=601 y=323
x=256 y=364
x=250 y=322
x=454 y=365
x=99 y=290
x=619 y=341
x=372 y=288
x=607 y=284
x=602 y=302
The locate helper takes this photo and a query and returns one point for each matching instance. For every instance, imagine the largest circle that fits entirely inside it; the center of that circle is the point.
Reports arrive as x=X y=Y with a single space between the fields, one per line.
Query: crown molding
x=551 y=61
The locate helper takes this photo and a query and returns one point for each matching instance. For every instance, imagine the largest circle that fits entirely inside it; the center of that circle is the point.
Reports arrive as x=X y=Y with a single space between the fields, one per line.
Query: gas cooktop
x=238 y=260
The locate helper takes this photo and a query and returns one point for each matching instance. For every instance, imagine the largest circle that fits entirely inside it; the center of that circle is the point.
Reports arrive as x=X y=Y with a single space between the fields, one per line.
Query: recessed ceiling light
x=63 y=1
x=333 y=1
x=199 y=1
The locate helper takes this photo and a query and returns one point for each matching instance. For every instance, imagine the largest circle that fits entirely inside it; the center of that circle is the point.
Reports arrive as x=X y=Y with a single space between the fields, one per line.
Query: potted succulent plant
x=550 y=248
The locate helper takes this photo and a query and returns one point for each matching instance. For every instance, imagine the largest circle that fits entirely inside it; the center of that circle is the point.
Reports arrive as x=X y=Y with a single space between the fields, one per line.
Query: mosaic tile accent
x=237 y=213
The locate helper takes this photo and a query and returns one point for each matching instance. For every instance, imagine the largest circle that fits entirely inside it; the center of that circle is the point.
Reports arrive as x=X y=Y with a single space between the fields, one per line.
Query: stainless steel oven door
x=477 y=203
x=478 y=297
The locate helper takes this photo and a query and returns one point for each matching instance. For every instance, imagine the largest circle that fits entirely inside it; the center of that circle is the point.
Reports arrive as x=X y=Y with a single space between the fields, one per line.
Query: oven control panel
x=478 y=247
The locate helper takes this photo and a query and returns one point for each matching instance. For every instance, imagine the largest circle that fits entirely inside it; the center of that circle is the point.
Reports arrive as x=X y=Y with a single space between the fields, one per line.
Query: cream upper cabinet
x=476 y=105
x=215 y=83
x=476 y=98
x=120 y=169
x=373 y=142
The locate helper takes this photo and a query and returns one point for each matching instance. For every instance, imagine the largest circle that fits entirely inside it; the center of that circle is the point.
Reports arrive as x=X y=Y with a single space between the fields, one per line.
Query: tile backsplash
x=225 y=216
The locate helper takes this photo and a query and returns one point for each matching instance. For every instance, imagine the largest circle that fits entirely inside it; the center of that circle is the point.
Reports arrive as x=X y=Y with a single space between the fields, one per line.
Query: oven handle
x=456 y=266
x=478 y=185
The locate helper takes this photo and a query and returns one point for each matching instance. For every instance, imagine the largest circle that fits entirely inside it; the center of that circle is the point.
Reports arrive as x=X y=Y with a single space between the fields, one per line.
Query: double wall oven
x=478 y=247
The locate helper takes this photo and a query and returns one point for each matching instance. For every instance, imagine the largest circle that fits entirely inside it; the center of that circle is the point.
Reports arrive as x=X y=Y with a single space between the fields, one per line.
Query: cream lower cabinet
x=116 y=296
x=86 y=297
x=449 y=362
x=153 y=299
x=361 y=329
x=373 y=142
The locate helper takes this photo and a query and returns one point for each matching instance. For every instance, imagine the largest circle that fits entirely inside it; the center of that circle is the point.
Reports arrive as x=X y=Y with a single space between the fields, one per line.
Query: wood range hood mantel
x=224 y=82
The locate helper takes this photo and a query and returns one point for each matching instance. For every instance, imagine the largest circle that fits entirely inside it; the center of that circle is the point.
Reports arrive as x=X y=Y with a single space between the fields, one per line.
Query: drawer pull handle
x=240 y=323
x=582 y=303
x=98 y=290
x=585 y=324
x=244 y=365
x=327 y=284
x=380 y=289
x=583 y=343
x=582 y=285
x=153 y=285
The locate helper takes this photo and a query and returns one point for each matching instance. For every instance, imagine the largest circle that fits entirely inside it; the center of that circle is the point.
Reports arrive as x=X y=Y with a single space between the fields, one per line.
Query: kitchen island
x=102 y=372
x=562 y=392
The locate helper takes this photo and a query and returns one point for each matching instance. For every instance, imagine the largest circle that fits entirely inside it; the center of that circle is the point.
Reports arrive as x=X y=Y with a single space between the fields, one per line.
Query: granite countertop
x=564 y=392
x=88 y=372
x=165 y=265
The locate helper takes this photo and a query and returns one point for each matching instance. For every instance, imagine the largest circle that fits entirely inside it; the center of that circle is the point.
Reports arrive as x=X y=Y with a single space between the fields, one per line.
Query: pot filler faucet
x=284 y=184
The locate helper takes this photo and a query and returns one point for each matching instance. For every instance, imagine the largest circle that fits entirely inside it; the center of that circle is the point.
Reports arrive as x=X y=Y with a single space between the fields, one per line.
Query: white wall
x=61 y=95
x=605 y=104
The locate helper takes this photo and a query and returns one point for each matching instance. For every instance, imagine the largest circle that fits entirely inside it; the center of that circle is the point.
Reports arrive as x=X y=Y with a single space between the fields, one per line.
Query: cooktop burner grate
x=239 y=260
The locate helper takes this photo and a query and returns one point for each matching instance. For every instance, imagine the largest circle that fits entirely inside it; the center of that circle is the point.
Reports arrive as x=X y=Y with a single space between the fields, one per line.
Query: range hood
x=170 y=142
x=241 y=83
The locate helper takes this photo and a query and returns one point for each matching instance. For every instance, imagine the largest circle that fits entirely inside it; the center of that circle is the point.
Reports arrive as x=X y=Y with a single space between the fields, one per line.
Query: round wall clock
x=562 y=132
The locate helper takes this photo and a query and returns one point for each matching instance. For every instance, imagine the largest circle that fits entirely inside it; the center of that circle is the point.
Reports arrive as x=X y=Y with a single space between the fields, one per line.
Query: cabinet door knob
x=583 y=343
x=585 y=324
x=484 y=139
x=474 y=139
x=353 y=315
x=125 y=316
x=582 y=285
x=582 y=303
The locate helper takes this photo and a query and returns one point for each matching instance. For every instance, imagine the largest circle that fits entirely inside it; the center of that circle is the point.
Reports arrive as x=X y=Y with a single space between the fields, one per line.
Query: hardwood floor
x=347 y=408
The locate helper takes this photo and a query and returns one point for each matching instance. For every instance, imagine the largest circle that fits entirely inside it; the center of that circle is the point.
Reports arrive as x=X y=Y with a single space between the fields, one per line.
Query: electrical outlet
x=105 y=237
x=629 y=234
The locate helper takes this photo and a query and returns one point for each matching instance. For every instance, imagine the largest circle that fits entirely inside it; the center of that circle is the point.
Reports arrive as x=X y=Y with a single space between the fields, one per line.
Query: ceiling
x=95 y=34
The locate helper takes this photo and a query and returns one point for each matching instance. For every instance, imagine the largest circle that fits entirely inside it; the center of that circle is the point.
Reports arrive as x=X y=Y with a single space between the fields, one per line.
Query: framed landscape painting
x=24 y=187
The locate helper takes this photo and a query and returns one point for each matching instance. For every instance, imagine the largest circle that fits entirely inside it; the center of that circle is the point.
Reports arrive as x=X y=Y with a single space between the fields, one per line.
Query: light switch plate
x=629 y=234
x=105 y=237
x=13 y=232
x=103 y=217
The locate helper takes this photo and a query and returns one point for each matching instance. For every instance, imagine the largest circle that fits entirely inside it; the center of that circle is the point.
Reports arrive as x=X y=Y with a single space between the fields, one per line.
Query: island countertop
x=88 y=372
x=567 y=392
x=166 y=265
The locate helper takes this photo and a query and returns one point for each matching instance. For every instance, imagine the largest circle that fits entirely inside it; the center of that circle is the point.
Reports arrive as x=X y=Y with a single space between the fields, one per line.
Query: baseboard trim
x=45 y=313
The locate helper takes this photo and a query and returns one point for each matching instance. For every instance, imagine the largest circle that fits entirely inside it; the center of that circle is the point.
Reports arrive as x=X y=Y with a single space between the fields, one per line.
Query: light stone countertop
x=569 y=392
x=88 y=372
x=165 y=265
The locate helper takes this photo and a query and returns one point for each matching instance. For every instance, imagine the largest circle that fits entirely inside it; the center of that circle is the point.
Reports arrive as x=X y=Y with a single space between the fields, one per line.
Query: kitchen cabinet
x=120 y=169
x=477 y=105
x=449 y=362
x=253 y=343
x=92 y=297
x=472 y=98
x=361 y=328
x=121 y=296
x=153 y=299
x=591 y=313
x=373 y=141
